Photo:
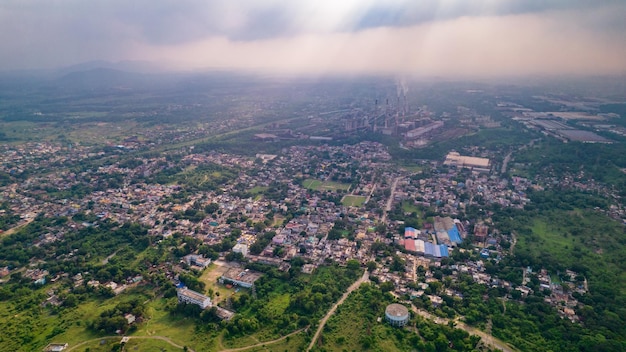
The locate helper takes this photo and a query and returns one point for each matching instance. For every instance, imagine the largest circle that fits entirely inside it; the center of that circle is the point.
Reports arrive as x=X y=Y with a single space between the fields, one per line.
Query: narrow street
x=390 y=200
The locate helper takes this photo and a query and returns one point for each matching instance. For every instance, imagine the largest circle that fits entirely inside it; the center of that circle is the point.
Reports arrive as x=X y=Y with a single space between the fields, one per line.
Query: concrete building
x=56 y=347
x=241 y=248
x=458 y=160
x=188 y=296
x=397 y=314
x=199 y=260
x=243 y=278
x=424 y=129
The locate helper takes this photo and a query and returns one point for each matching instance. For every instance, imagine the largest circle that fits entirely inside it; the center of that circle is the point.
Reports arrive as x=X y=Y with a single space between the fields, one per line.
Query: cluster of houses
x=301 y=216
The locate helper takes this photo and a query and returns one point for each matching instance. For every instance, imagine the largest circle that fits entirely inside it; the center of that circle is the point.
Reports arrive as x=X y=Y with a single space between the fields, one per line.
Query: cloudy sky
x=415 y=37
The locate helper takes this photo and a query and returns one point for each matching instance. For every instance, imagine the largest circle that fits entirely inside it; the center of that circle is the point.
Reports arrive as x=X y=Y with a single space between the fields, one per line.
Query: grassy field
x=70 y=326
x=139 y=345
x=412 y=168
x=318 y=185
x=32 y=329
x=257 y=190
x=579 y=238
x=276 y=307
x=295 y=342
x=355 y=326
x=353 y=201
x=210 y=277
x=409 y=207
x=278 y=220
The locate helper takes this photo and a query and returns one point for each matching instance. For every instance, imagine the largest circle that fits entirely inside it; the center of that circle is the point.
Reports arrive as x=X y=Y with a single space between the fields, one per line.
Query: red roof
x=409 y=245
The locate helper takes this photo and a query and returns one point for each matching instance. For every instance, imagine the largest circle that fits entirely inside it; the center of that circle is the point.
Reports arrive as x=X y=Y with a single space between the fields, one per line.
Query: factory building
x=447 y=230
x=413 y=244
x=471 y=162
x=420 y=131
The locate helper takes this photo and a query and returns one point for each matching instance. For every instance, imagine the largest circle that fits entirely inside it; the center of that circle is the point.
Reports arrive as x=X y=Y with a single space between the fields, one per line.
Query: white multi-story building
x=188 y=296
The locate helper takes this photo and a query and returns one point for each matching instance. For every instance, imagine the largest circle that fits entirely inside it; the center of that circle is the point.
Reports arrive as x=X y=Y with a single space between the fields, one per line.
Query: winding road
x=261 y=344
x=486 y=338
x=352 y=287
x=162 y=338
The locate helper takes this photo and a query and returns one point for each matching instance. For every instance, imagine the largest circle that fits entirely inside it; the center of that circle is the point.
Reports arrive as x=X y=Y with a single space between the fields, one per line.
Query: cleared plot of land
x=353 y=201
x=318 y=185
x=210 y=277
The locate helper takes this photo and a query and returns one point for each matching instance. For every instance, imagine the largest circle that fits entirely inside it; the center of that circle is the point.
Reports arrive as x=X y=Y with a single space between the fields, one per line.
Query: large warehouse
x=458 y=160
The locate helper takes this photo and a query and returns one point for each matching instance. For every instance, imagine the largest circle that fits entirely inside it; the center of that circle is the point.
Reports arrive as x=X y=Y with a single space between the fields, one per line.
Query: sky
x=478 y=38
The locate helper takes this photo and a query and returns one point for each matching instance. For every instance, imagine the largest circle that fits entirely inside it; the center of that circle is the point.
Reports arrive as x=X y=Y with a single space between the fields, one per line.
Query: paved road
x=369 y=196
x=332 y=310
x=390 y=200
x=507 y=159
x=506 y=162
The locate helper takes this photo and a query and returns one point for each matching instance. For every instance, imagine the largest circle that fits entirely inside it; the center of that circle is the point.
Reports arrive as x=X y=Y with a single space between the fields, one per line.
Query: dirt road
x=332 y=310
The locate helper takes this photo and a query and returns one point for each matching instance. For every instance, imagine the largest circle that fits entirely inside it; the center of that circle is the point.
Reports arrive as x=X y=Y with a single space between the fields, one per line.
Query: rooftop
x=239 y=274
x=454 y=158
x=191 y=294
x=396 y=310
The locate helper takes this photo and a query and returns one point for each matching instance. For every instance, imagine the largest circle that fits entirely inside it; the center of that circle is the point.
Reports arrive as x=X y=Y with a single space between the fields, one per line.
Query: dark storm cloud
x=419 y=12
x=179 y=21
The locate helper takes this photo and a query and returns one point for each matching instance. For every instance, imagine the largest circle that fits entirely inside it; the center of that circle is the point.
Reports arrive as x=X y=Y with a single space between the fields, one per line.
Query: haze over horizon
x=449 y=38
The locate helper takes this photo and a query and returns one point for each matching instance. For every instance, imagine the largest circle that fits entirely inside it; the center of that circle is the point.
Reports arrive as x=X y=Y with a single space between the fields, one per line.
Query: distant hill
x=127 y=66
x=101 y=78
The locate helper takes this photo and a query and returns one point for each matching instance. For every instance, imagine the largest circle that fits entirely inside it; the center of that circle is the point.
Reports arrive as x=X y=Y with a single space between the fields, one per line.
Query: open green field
x=412 y=168
x=134 y=344
x=409 y=207
x=318 y=185
x=257 y=190
x=353 y=201
x=573 y=236
x=295 y=342
x=21 y=131
x=583 y=240
x=275 y=307
x=355 y=327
